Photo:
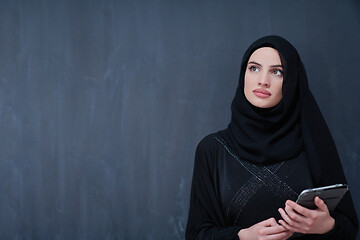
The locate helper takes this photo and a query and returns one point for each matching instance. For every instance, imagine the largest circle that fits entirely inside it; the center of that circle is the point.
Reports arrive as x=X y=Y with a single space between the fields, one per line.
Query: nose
x=264 y=81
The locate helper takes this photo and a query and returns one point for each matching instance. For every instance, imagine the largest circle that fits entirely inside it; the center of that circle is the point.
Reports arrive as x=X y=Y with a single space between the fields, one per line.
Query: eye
x=278 y=72
x=253 y=69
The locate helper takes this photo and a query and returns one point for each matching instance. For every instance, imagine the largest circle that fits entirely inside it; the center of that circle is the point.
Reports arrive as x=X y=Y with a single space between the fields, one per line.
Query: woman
x=247 y=177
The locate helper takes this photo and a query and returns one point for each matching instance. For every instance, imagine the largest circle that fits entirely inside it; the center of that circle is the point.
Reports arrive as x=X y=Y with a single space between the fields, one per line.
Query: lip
x=262 y=93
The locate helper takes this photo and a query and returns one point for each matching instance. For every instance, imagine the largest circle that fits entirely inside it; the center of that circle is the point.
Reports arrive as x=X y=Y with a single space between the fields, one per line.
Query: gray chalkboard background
x=102 y=104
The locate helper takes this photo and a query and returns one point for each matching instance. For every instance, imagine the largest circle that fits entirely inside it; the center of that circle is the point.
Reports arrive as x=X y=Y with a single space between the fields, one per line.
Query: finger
x=273 y=222
x=278 y=236
x=298 y=208
x=269 y=222
x=294 y=229
x=290 y=224
x=284 y=224
x=273 y=230
x=285 y=216
x=288 y=227
x=288 y=235
x=294 y=215
x=321 y=204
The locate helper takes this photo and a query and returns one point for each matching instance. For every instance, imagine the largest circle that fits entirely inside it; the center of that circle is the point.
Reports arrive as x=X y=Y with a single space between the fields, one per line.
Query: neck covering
x=279 y=133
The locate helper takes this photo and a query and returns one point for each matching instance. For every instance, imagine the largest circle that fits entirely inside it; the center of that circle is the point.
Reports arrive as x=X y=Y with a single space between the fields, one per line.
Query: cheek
x=278 y=89
x=248 y=82
x=247 y=87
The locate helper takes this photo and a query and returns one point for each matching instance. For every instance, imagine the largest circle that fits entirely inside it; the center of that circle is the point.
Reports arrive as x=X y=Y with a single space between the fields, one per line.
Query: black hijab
x=279 y=133
x=273 y=134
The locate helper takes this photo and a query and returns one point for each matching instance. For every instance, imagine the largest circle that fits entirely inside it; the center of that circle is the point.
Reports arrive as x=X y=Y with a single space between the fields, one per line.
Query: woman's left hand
x=297 y=218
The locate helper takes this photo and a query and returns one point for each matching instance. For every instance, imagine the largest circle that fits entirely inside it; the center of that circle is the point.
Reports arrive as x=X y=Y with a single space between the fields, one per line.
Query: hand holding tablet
x=311 y=212
x=331 y=195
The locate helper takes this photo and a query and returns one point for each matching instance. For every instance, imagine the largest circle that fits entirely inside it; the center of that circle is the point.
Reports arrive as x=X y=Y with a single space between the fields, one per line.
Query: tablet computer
x=330 y=194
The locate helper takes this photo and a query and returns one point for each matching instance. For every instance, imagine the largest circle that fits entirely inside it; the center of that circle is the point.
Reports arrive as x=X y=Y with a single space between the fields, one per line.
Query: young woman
x=247 y=177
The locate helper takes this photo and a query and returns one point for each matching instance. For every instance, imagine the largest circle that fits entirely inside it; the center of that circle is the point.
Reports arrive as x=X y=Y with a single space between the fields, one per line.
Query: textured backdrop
x=102 y=104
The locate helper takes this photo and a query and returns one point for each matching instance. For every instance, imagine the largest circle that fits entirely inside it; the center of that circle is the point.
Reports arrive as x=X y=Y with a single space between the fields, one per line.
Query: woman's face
x=264 y=78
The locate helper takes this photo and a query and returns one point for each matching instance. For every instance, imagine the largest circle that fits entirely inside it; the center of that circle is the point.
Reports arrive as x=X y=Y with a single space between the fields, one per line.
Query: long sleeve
x=206 y=220
x=344 y=227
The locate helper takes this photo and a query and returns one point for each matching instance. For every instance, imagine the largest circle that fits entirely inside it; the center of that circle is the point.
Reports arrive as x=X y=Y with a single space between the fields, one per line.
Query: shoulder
x=205 y=155
x=209 y=143
x=209 y=148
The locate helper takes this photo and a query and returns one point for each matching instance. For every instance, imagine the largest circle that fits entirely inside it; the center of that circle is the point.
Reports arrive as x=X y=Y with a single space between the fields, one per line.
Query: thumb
x=321 y=204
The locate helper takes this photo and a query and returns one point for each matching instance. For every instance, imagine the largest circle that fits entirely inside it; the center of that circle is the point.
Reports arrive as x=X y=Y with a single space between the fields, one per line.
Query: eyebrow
x=261 y=65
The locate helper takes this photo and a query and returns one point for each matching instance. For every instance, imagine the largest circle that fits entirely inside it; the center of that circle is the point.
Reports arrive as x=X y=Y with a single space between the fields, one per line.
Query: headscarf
x=279 y=133
x=269 y=135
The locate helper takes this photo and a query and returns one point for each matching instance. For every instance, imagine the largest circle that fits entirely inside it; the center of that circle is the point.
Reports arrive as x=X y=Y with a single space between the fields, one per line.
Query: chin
x=262 y=104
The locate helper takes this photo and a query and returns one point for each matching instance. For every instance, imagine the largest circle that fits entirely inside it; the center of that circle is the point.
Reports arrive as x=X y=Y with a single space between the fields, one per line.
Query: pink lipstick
x=262 y=93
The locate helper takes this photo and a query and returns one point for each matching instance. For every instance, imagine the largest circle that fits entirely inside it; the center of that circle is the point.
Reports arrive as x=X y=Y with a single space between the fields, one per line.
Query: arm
x=205 y=220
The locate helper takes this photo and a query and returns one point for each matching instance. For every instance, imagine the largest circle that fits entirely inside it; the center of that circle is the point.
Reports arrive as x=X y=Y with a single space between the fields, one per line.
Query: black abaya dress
x=244 y=173
x=229 y=194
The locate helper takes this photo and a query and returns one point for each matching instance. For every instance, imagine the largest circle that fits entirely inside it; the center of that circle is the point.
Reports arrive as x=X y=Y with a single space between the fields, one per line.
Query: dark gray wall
x=102 y=104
